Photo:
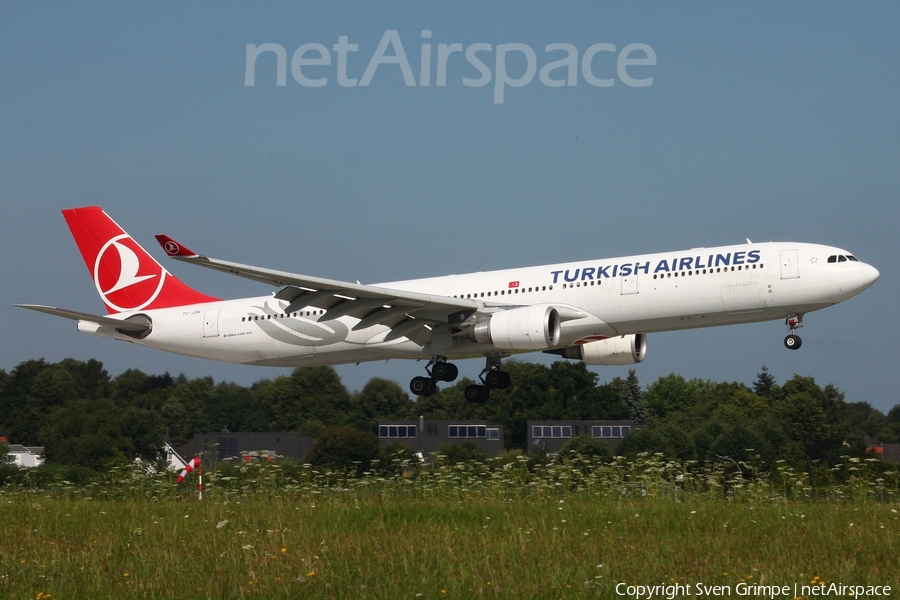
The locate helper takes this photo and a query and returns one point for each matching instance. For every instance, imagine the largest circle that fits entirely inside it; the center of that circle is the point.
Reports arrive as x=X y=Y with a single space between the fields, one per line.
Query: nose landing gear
x=793 y=322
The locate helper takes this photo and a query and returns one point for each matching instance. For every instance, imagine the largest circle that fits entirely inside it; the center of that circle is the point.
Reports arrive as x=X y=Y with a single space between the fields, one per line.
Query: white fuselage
x=702 y=287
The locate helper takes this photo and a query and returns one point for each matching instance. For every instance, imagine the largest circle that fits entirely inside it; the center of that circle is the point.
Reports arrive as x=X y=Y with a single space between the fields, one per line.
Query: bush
x=451 y=454
x=397 y=460
x=586 y=446
x=9 y=473
x=668 y=438
x=344 y=449
x=50 y=474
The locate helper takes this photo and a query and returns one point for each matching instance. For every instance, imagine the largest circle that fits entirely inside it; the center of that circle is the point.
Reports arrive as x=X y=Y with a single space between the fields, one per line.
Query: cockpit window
x=836 y=258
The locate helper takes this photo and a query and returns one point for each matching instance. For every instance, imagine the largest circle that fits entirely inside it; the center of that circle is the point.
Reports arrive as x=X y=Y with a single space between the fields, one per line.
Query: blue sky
x=764 y=121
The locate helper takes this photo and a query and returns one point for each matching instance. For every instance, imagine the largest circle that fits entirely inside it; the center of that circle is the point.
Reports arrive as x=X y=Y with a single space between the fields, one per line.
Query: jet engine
x=622 y=350
x=526 y=328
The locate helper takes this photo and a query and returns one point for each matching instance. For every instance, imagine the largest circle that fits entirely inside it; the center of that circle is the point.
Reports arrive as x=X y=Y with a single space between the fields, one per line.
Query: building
x=250 y=447
x=427 y=436
x=553 y=435
x=886 y=452
x=22 y=456
x=174 y=460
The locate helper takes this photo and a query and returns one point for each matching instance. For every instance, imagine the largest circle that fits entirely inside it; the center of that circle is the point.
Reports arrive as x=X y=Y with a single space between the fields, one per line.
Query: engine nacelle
x=621 y=350
x=527 y=328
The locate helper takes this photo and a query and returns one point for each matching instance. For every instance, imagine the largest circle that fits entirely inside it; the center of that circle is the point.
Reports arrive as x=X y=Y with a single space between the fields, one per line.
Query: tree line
x=83 y=416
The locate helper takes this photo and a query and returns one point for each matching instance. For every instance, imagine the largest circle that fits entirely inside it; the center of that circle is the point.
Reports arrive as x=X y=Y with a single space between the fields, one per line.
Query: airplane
x=598 y=311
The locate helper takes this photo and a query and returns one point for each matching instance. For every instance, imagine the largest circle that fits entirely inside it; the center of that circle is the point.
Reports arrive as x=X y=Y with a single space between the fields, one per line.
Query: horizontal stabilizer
x=80 y=316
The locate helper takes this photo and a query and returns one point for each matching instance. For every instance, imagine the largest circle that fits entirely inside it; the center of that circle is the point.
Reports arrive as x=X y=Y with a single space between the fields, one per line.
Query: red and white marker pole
x=192 y=464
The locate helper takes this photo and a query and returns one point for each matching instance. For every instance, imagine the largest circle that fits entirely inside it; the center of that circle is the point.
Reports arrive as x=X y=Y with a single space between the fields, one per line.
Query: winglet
x=175 y=249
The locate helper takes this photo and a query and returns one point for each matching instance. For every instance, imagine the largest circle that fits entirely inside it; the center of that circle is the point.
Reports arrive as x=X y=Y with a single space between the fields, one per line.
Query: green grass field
x=459 y=532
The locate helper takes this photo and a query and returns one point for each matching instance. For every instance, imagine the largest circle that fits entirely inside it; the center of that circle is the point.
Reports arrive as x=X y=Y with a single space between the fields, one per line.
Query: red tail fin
x=126 y=277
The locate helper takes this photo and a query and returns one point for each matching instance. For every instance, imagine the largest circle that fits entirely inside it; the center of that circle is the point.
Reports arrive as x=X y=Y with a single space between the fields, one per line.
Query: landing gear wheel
x=792 y=342
x=793 y=322
x=476 y=393
x=422 y=386
x=497 y=380
x=505 y=380
x=444 y=371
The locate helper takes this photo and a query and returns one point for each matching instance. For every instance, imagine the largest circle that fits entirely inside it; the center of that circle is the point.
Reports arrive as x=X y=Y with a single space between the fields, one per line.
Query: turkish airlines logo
x=172 y=248
x=125 y=276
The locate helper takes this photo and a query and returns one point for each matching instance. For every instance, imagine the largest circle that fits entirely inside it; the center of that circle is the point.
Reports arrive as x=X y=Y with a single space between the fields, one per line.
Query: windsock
x=192 y=464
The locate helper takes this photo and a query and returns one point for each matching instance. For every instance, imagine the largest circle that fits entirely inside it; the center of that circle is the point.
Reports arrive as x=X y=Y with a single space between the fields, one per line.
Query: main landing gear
x=440 y=370
x=793 y=322
x=492 y=378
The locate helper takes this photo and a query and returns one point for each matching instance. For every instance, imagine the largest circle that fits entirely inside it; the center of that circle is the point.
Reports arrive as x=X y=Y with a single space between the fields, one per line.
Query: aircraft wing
x=403 y=311
x=119 y=324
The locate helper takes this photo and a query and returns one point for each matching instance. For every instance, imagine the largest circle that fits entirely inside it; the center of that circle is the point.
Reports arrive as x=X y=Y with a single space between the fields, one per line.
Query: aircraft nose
x=867 y=276
x=858 y=278
x=871 y=274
